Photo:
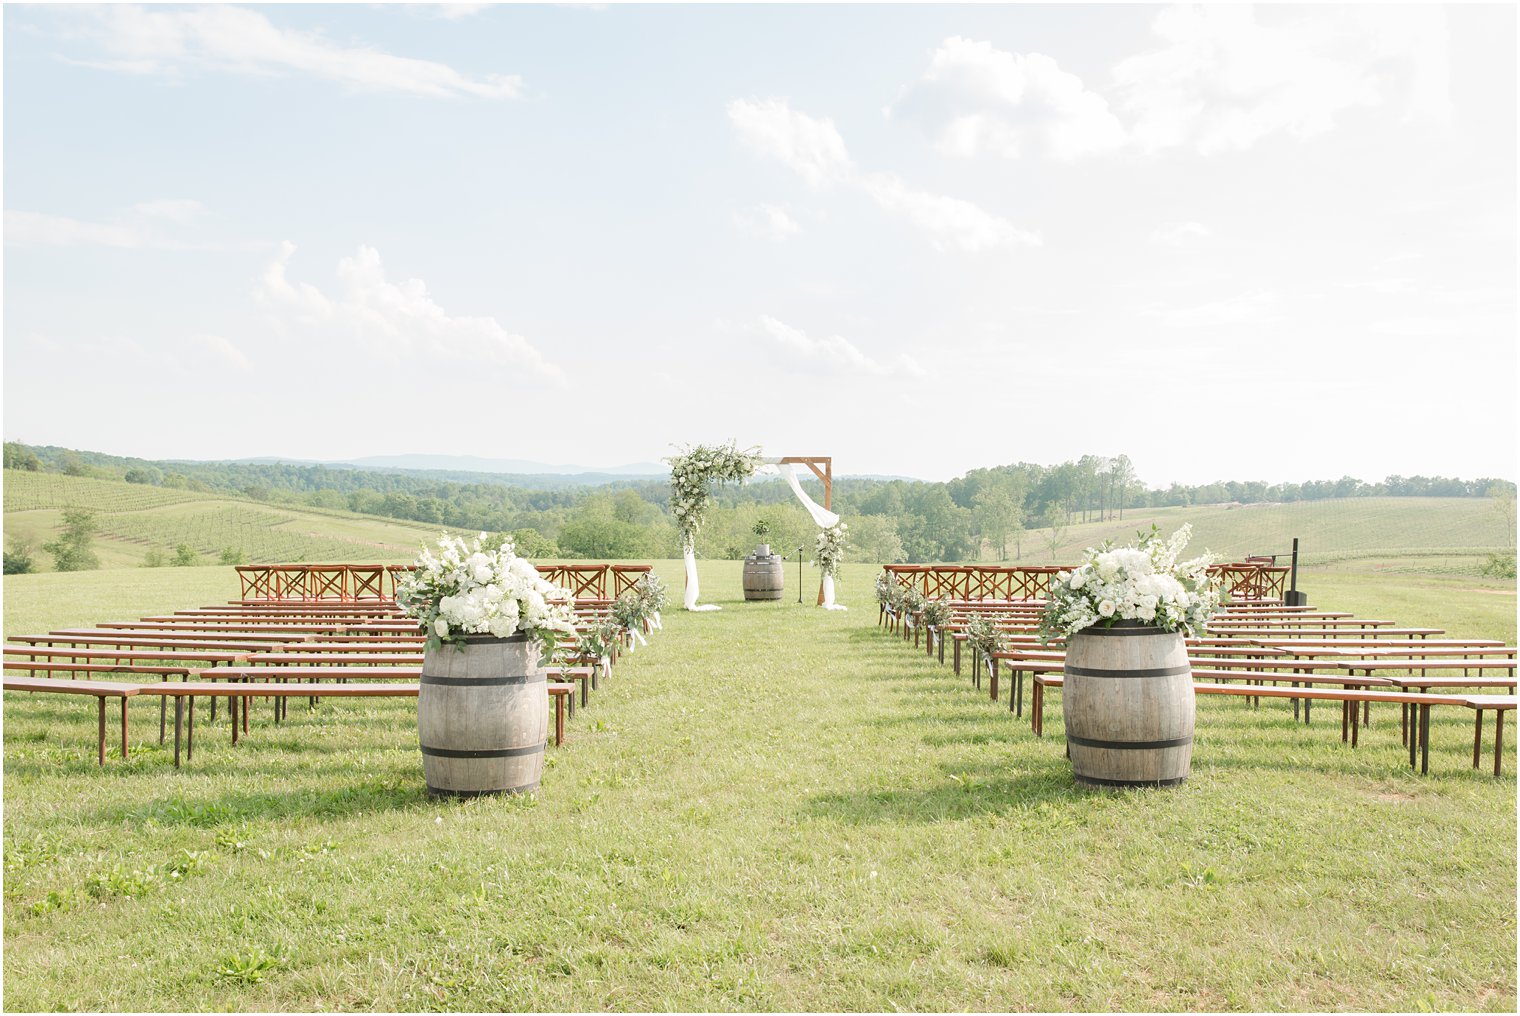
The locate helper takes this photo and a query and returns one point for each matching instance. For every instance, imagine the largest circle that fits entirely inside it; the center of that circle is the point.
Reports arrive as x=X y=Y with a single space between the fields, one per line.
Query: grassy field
x=136 y=519
x=1396 y=534
x=771 y=807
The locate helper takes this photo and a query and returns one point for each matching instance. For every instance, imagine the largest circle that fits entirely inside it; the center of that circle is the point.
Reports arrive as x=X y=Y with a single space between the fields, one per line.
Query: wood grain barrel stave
x=483 y=717
x=1128 y=705
x=764 y=577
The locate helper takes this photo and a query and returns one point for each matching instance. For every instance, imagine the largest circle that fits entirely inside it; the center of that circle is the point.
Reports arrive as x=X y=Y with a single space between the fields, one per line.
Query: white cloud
x=950 y=221
x=769 y=222
x=813 y=148
x=836 y=352
x=448 y=11
x=1221 y=80
x=398 y=318
x=166 y=41
x=974 y=98
x=148 y=225
x=37 y=229
x=223 y=349
x=1244 y=308
x=171 y=209
x=1175 y=234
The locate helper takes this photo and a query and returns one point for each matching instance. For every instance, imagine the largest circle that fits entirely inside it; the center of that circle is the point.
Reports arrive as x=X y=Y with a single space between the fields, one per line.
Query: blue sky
x=1272 y=243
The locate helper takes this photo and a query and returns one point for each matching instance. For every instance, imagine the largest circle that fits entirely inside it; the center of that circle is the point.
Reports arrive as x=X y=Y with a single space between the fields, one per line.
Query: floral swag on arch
x=692 y=474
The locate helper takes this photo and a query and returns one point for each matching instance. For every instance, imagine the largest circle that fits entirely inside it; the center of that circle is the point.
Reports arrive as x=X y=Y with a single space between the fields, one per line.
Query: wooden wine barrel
x=1128 y=705
x=483 y=717
x=764 y=577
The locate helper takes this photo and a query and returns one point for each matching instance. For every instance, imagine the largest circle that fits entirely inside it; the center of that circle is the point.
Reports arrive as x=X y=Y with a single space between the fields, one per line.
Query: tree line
x=890 y=520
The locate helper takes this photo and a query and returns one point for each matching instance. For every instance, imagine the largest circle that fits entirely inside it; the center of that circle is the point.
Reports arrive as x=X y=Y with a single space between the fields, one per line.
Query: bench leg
x=232 y=710
x=1424 y=739
x=992 y=677
x=190 y=732
x=123 y=728
x=1498 y=738
x=163 y=707
x=179 y=715
x=1345 y=721
x=1036 y=709
x=1477 y=734
x=585 y=692
x=1414 y=735
x=559 y=720
x=102 y=754
x=1356 y=726
x=957 y=658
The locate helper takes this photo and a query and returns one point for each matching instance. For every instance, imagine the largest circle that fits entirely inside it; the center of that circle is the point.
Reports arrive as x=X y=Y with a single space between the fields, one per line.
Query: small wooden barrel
x=1128 y=705
x=483 y=717
x=764 y=577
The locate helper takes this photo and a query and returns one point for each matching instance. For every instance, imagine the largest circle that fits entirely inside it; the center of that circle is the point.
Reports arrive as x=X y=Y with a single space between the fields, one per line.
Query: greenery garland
x=601 y=640
x=937 y=612
x=829 y=548
x=652 y=594
x=691 y=476
x=985 y=637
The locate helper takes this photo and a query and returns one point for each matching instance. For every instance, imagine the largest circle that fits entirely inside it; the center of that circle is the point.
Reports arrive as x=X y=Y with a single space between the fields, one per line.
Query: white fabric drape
x=692 y=589
x=821 y=515
x=828 y=595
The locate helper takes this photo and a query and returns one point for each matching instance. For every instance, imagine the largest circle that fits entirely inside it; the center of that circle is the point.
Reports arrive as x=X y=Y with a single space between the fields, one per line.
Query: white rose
x=1106 y=608
x=440 y=627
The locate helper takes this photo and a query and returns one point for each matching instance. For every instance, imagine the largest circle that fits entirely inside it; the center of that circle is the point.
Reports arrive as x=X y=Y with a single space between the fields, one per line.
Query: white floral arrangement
x=1142 y=582
x=692 y=473
x=477 y=589
x=829 y=548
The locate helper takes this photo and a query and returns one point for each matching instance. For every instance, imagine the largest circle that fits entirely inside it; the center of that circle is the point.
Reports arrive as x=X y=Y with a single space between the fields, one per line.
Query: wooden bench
x=239 y=694
x=139 y=642
x=96 y=654
x=1419 y=739
x=102 y=690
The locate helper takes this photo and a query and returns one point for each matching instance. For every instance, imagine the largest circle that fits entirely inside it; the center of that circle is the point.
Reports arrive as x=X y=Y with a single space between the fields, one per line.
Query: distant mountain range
x=469 y=464
x=502 y=467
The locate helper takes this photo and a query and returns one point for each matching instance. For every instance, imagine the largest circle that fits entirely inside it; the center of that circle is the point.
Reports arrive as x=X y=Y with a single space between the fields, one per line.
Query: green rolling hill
x=136 y=519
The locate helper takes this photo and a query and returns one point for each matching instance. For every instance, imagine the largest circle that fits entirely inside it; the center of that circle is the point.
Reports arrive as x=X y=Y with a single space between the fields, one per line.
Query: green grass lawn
x=769 y=807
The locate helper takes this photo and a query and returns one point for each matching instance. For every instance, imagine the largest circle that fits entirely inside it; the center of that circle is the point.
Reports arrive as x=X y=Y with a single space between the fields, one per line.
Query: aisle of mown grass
x=771 y=807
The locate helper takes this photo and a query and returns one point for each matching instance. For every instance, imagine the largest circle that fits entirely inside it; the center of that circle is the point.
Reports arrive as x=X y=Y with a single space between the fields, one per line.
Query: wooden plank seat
x=1247 y=667
x=81 y=667
x=228 y=629
x=101 y=690
x=142 y=642
x=322 y=647
x=95 y=654
x=181 y=635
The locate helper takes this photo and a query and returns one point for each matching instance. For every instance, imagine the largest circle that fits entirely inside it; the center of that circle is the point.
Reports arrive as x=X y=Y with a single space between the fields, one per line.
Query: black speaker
x=1295 y=598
